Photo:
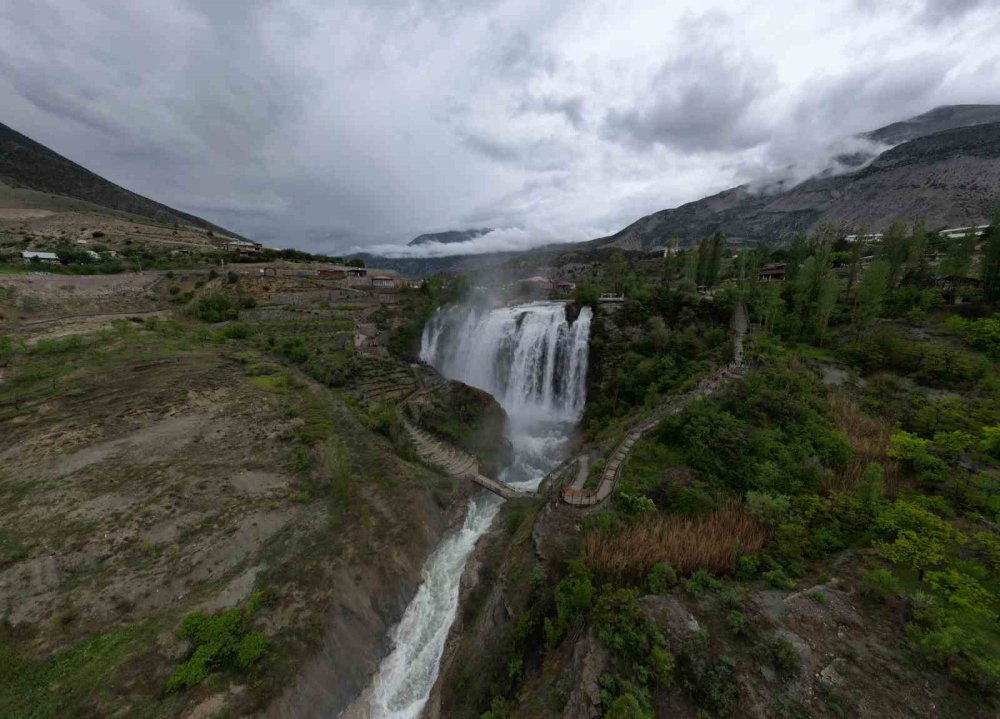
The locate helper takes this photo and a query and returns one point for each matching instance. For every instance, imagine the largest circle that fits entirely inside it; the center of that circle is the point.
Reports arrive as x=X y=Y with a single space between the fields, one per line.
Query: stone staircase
x=454 y=462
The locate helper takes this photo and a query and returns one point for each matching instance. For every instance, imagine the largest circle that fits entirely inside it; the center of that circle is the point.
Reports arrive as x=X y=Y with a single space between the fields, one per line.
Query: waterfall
x=528 y=356
x=535 y=363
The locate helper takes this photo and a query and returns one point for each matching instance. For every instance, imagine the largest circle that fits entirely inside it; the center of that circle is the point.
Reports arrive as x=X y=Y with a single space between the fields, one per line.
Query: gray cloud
x=702 y=99
x=937 y=11
x=329 y=124
x=570 y=108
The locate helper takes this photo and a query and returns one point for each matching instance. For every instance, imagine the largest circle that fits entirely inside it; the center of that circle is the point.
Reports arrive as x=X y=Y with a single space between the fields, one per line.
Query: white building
x=28 y=256
x=954 y=233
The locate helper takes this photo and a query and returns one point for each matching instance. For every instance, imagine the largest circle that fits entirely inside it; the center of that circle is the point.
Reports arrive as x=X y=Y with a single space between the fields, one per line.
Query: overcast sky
x=333 y=125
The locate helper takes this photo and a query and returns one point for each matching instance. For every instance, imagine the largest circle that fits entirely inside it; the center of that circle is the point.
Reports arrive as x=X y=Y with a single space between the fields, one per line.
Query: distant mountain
x=449 y=237
x=26 y=163
x=946 y=168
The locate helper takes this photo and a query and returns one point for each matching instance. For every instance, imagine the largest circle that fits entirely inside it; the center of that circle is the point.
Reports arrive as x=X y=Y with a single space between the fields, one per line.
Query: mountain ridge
x=950 y=177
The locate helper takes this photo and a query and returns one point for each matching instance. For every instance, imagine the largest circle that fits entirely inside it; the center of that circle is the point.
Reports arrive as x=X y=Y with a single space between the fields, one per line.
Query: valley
x=741 y=459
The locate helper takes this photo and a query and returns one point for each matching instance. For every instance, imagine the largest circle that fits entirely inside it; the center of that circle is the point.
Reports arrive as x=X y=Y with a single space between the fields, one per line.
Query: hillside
x=25 y=163
x=949 y=176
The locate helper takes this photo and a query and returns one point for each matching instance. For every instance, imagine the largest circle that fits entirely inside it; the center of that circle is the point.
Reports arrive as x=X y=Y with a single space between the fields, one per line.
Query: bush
x=778 y=579
x=785 y=657
x=236 y=331
x=219 y=641
x=662 y=578
x=216 y=307
x=747 y=567
x=736 y=623
x=295 y=349
x=879 y=584
x=573 y=597
x=627 y=707
x=702 y=581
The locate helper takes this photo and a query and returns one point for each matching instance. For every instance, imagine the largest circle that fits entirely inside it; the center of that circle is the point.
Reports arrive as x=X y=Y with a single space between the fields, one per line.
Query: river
x=535 y=363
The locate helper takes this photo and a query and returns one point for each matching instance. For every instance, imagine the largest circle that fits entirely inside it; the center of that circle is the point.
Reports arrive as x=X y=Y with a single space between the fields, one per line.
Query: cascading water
x=535 y=363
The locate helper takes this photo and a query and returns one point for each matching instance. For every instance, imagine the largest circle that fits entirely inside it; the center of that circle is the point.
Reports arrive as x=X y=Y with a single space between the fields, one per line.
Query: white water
x=535 y=363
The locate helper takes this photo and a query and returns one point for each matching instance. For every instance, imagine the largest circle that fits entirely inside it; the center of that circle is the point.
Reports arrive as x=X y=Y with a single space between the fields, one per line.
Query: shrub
x=662 y=578
x=219 y=641
x=236 y=331
x=295 y=349
x=627 y=707
x=879 y=584
x=778 y=579
x=573 y=597
x=784 y=656
x=747 y=567
x=216 y=307
x=736 y=623
x=770 y=509
x=707 y=680
x=702 y=581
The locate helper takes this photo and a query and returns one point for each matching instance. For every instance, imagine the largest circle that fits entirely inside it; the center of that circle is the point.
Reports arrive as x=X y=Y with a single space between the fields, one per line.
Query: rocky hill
x=946 y=174
x=25 y=163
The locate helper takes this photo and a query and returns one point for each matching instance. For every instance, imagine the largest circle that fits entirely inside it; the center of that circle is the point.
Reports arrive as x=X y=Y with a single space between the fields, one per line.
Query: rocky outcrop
x=468 y=418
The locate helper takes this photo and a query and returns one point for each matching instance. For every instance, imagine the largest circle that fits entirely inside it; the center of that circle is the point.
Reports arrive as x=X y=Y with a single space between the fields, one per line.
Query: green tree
x=914 y=550
x=815 y=293
x=958 y=261
x=714 y=263
x=916 y=264
x=871 y=295
x=704 y=258
x=617 y=272
x=670 y=259
x=895 y=249
x=991 y=261
x=797 y=254
x=854 y=264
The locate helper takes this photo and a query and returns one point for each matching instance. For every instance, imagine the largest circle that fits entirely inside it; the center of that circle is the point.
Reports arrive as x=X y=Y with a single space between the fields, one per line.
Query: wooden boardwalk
x=577 y=496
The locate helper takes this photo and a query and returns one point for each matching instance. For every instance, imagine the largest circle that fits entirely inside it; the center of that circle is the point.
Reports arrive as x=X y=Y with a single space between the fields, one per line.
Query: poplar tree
x=714 y=263
x=991 y=261
x=797 y=254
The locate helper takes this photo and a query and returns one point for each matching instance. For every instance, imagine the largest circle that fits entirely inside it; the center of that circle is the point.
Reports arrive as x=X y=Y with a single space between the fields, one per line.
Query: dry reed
x=712 y=541
x=869 y=438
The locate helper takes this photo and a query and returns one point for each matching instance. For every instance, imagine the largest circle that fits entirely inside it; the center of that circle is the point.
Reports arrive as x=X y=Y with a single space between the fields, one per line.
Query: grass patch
x=65 y=685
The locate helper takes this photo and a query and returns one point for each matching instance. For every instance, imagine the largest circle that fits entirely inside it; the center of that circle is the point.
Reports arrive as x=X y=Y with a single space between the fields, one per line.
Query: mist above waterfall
x=530 y=357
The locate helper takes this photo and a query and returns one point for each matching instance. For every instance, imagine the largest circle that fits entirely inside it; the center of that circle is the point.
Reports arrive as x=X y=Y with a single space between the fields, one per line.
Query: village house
x=772 y=273
x=242 y=247
x=383 y=282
